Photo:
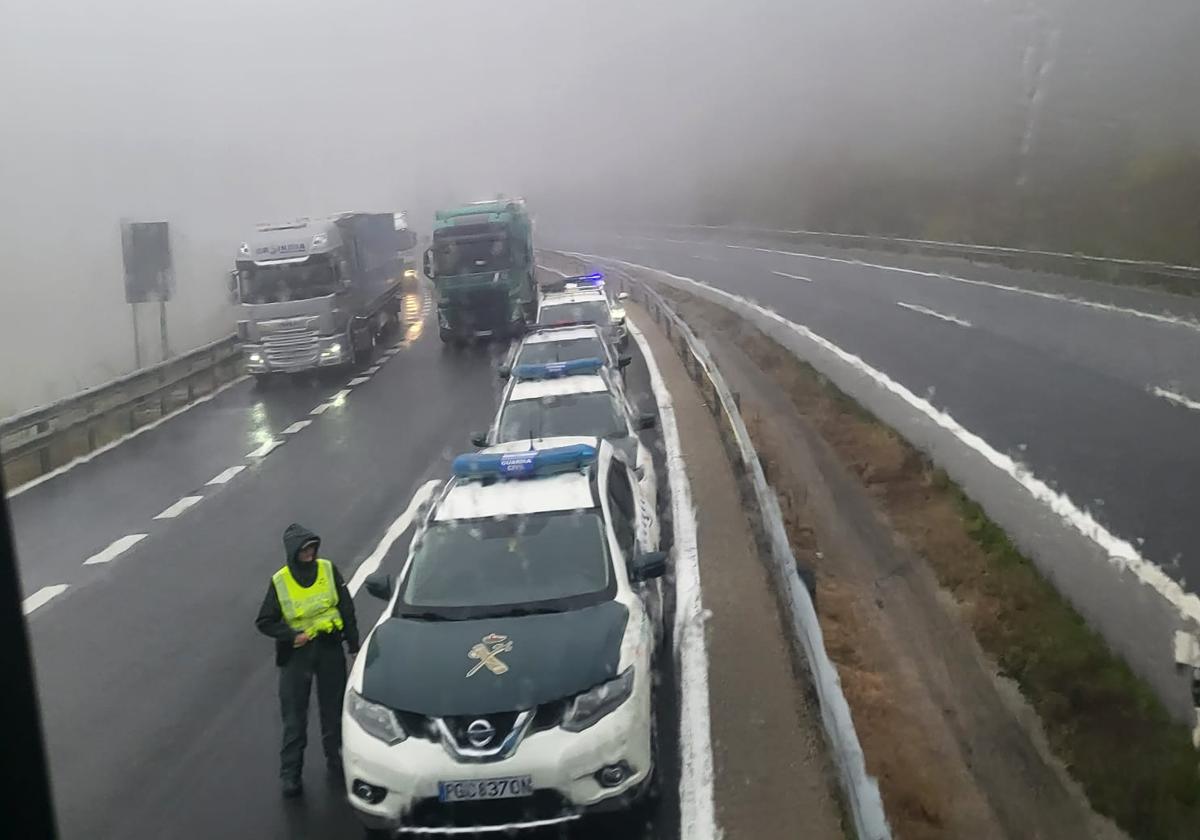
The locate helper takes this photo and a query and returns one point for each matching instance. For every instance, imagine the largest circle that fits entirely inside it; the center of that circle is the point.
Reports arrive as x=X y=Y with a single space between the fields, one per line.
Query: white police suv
x=584 y=300
x=577 y=398
x=564 y=344
x=508 y=683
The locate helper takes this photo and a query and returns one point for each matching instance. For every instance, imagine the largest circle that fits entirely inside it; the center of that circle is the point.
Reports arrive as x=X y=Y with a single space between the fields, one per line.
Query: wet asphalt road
x=1064 y=388
x=158 y=695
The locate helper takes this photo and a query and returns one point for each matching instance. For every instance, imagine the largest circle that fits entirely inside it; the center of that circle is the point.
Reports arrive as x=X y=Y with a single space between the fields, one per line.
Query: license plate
x=471 y=790
x=483 y=333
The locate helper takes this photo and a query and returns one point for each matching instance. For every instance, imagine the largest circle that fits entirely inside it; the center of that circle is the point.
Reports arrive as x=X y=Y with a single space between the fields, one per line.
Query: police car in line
x=508 y=683
x=575 y=398
x=564 y=344
x=583 y=300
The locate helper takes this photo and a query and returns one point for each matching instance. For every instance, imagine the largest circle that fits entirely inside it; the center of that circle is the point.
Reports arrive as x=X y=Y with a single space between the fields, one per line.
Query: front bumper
x=330 y=351
x=563 y=766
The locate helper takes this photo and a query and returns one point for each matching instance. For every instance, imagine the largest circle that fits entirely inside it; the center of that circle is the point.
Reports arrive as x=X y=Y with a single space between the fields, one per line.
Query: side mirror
x=479 y=438
x=234 y=287
x=646 y=421
x=624 y=361
x=427 y=263
x=504 y=371
x=623 y=296
x=379 y=584
x=646 y=566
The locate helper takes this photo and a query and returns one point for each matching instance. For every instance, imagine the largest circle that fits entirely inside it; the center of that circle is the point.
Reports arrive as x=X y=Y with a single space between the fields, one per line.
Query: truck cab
x=482 y=265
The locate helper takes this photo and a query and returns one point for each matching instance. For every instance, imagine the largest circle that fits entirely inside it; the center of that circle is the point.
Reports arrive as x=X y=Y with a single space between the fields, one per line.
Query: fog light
x=369 y=793
x=612 y=775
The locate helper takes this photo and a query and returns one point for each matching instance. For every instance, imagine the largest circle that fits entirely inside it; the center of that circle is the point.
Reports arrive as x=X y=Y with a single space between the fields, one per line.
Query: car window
x=562 y=351
x=622 y=506
x=585 y=415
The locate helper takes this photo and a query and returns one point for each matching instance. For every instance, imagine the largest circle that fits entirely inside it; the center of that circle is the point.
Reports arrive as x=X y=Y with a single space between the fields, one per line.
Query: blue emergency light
x=553 y=370
x=530 y=463
x=596 y=278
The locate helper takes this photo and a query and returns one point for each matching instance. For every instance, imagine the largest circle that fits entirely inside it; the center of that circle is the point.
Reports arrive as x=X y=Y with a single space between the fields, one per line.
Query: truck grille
x=292 y=342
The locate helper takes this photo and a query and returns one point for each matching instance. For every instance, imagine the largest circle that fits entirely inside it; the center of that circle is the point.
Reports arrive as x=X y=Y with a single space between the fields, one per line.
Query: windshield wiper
x=424 y=616
x=519 y=611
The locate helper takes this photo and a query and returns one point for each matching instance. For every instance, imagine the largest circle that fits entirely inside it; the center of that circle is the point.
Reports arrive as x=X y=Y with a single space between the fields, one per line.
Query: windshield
x=546 y=557
x=287 y=281
x=471 y=256
x=562 y=351
x=584 y=415
x=586 y=312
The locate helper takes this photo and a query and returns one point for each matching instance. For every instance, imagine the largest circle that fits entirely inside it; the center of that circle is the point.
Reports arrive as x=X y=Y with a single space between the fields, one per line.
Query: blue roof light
x=530 y=463
x=596 y=278
x=553 y=370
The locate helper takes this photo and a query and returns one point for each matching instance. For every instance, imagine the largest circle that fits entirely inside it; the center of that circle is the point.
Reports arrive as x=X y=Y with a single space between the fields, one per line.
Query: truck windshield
x=475 y=564
x=471 y=256
x=287 y=281
x=586 y=415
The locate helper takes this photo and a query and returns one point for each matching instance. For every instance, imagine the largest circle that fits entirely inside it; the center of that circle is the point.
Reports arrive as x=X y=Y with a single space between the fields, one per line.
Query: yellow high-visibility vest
x=309 y=609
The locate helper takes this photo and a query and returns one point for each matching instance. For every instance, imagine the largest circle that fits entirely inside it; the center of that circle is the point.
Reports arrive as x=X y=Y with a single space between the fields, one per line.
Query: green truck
x=481 y=263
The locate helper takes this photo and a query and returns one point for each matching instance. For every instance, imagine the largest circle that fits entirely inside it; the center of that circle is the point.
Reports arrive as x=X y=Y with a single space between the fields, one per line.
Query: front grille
x=548 y=716
x=543 y=805
x=502 y=722
x=417 y=726
x=290 y=343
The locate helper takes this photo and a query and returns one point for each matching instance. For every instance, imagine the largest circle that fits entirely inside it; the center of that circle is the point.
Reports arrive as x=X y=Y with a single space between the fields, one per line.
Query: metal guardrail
x=860 y=790
x=38 y=441
x=1182 y=278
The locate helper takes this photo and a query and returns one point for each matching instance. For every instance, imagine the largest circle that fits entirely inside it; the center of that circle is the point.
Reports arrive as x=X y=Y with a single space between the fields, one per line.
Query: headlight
x=334 y=349
x=377 y=721
x=589 y=707
x=254 y=359
x=410 y=272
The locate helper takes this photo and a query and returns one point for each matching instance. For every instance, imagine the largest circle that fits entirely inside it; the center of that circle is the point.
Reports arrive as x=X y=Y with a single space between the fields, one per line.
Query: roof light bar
x=530 y=463
x=553 y=370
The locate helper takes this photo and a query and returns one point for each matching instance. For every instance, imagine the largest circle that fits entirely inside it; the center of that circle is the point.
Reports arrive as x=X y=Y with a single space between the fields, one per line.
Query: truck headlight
x=410 y=272
x=254 y=358
x=334 y=349
x=587 y=708
x=376 y=720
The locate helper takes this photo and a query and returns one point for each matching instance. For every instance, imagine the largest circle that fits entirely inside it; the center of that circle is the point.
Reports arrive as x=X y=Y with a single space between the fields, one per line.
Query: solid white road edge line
x=295 y=427
x=792 y=276
x=226 y=475
x=179 y=507
x=118 y=547
x=83 y=459
x=264 y=450
x=925 y=311
x=43 y=595
x=394 y=531
x=1107 y=307
x=697 y=811
x=1121 y=553
x=1178 y=399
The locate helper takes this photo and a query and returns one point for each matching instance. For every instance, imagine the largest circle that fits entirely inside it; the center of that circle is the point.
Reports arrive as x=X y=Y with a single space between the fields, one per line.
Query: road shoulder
x=772 y=773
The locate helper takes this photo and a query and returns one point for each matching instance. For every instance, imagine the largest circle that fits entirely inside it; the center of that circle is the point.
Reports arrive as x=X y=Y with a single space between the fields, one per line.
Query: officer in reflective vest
x=309 y=613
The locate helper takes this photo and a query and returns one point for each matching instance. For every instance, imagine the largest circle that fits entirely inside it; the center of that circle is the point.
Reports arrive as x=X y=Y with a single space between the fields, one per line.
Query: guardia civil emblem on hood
x=487 y=650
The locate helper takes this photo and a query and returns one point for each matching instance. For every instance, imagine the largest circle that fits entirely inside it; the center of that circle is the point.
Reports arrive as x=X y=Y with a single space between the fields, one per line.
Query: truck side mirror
x=504 y=371
x=646 y=421
x=479 y=439
x=427 y=263
x=624 y=361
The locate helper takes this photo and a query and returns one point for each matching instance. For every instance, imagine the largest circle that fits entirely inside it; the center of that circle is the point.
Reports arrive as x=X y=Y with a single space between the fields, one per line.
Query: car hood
x=423 y=666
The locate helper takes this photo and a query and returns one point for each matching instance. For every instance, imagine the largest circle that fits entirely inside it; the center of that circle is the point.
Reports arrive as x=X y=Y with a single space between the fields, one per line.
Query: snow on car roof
x=533 y=389
x=477 y=500
x=562 y=334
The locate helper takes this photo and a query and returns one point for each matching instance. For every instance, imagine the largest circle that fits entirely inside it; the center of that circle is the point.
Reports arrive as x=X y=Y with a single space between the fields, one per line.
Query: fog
x=215 y=115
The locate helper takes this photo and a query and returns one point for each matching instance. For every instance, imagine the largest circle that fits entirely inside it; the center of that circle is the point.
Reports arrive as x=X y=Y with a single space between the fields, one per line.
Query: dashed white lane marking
x=295 y=427
x=372 y=370
x=264 y=450
x=179 y=507
x=224 y=476
x=1121 y=553
x=697 y=811
x=924 y=311
x=118 y=547
x=394 y=531
x=358 y=380
x=1178 y=399
x=704 y=257
x=43 y=595
x=1106 y=307
x=322 y=408
x=83 y=459
x=792 y=276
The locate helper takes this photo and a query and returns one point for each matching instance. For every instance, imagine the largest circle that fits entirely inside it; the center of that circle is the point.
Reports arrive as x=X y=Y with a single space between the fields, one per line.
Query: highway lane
x=158 y=695
x=1064 y=388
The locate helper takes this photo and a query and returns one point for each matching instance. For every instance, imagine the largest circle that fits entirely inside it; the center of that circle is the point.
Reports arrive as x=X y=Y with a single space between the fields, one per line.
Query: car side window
x=622 y=507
